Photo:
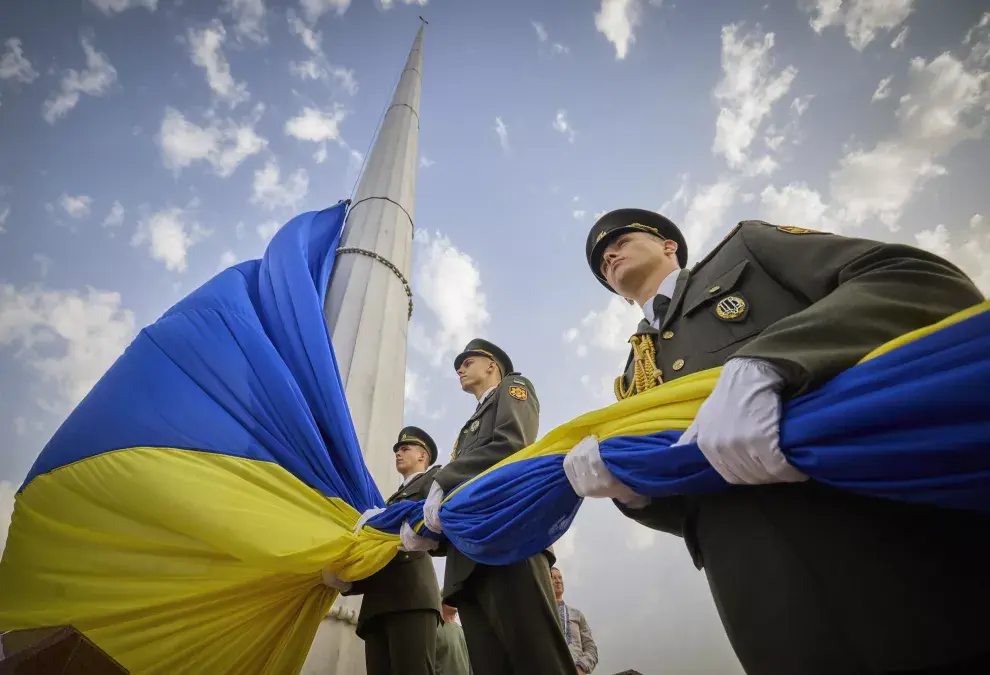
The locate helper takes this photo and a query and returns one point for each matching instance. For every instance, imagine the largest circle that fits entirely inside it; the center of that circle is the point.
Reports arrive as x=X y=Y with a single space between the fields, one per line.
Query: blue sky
x=147 y=144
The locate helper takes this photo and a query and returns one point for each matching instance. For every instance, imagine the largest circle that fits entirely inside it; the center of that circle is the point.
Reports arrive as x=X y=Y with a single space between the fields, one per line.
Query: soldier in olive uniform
x=508 y=612
x=806 y=578
x=400 y=612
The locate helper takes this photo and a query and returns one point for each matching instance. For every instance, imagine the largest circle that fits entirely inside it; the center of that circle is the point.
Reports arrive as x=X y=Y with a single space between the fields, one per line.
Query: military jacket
x=408 y=581
x=811 y=303
x=506 y=421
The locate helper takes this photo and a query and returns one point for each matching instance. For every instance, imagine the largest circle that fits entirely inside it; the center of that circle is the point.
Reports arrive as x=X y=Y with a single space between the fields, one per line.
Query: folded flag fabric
x=181 y=515
x=911 y=422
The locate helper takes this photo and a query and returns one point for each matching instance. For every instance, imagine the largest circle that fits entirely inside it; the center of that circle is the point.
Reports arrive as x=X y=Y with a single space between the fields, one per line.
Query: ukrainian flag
x=182 y=514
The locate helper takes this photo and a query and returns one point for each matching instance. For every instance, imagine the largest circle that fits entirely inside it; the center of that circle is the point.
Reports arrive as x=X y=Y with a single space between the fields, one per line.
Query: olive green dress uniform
x=806 y=578
x=508 y=612
x=400 y=612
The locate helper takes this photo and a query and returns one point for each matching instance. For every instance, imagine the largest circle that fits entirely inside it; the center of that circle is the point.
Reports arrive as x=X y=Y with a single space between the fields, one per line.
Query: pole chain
x=388 y=263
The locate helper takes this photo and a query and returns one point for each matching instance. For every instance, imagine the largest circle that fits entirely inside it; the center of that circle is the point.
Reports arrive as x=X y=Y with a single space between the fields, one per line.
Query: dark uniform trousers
x=807 y=579
x=400 y=611
x=401 y=643
x=508 y=612
x=510 y=620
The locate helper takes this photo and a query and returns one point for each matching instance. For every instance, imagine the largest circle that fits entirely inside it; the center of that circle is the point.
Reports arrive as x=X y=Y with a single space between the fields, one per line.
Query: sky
x=148 y=144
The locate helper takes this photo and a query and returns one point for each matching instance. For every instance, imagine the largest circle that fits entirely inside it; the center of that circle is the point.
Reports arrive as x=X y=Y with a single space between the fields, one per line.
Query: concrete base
x=336 y=648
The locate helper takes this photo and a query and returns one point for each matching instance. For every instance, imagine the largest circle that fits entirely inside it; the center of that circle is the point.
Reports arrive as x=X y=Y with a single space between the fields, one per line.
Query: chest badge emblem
x=731 y=308
x=474 y=425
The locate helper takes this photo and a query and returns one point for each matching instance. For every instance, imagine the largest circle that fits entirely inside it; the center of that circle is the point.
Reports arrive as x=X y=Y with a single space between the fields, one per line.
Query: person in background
x=577 y=632
x=452 y=652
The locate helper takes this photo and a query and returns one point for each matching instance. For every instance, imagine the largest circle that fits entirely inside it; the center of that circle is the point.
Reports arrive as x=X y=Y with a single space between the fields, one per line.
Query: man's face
x=474 y=370
x=558 y=582
x=631 y=257
x=407 y=456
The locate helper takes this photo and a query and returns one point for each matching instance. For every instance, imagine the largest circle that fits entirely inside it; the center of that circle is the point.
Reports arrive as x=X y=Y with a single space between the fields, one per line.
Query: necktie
x=660 y=305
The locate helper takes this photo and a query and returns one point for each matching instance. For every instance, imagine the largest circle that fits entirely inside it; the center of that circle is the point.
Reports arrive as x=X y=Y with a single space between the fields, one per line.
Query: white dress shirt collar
x=667 y=287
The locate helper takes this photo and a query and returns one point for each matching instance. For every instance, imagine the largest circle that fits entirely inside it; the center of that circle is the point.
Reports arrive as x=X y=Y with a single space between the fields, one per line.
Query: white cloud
x=206 y=51
x=541 y=31
x=268 y=229
x=116 y=215
x=69 y=338
x=270 y=192
x=44 y=264
x=747 y=91
x=310 y=37
x=227 y=259
x=387 y=4
x=899 y=40
x=883 y=89
x=76 y=207
x=448 y=282
x=972 y=254
x=4 y=215
x=608 y=329
x=95 y=80
x=14 y=65
x=561 y=124
x=617 y=21
x=795 y=204
x=976 y=220
x=412 y=393
x=7 y=491
x=425 y=163
x=599 y=214
x=944 y=105
x=862 y=19
x=543 y=36
x=344 y=78
x=224 y=144
x=579 y=214
x=249 y=18
x=314 y=9
x=170 y=234
x=880 y=182
x=316 y=126
x=503 y=133
x=800 y=104
x=109 y=7
x=707 y=213
x=318 y=67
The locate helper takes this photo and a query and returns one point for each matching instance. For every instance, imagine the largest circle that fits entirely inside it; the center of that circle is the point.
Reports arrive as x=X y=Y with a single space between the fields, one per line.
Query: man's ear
x=670 y=246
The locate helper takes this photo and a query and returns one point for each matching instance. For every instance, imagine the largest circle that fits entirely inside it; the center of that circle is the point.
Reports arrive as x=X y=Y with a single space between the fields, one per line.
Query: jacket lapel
x=675 y=302
x=484 y=405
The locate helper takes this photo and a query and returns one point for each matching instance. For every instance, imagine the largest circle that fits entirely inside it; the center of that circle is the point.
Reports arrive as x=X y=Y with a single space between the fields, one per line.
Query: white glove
x=333 y=581
x=738 y=427
x=365 y=517
x=414 y=542
x=431 y=509
x=590 y=477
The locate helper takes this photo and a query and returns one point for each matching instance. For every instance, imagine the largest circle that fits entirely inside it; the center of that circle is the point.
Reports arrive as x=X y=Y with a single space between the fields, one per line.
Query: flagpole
x=368 y=307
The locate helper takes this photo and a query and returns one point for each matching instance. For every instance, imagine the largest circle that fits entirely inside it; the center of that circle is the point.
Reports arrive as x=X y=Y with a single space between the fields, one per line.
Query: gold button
x=678 y=364
x=714 y=289
x=667 y=334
